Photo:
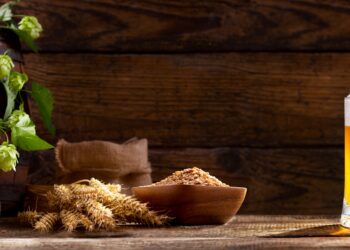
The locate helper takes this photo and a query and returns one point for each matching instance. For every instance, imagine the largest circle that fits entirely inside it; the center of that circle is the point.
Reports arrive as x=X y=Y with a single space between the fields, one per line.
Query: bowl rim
x=190 y=185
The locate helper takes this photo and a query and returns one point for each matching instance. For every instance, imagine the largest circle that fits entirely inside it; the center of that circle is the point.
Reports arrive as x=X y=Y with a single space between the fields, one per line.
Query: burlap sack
x=126 y=163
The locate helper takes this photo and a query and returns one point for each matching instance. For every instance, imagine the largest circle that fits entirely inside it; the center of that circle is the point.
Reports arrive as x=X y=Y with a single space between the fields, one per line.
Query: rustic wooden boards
x=213 y=100
x=244 y=232
x=286 y=104
x=188 y=26
x=250 y=90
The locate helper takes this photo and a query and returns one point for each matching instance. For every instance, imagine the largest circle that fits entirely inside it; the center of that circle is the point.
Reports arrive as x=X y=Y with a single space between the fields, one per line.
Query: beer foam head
x=347 y=110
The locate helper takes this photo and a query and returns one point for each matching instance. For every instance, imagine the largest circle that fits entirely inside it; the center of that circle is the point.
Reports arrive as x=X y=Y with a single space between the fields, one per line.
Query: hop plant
x=19 y=118
x=23 y=134
x=8 y=157
x=31 y=25
x=6 y=65
x=17 y=80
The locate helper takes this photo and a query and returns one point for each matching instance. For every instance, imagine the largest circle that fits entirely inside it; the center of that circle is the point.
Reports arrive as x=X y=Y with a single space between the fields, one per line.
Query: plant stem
x=4 y=132
x=27 y=91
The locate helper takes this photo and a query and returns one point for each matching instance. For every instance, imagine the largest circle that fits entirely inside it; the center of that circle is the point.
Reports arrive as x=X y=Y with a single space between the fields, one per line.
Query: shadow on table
x=321 y=231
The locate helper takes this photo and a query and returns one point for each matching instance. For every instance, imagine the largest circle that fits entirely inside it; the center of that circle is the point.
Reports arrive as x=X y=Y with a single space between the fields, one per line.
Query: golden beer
x=347 y=165
x=345 y=217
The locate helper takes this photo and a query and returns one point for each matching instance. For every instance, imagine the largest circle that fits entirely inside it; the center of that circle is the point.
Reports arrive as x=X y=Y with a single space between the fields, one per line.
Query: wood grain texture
x=291 y=103
x=244 y=232
x=279 y=181
x=233 y=99
x=191 y=26
x=182 y=243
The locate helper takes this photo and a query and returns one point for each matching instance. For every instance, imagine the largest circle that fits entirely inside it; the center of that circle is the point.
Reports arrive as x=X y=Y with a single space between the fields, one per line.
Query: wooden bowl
x=193 y=204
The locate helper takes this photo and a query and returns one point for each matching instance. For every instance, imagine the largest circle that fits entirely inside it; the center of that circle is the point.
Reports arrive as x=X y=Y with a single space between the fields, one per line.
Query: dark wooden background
x=250 y=90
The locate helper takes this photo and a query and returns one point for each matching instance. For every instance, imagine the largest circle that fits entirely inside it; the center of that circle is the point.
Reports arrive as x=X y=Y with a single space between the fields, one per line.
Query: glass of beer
x=345 y=216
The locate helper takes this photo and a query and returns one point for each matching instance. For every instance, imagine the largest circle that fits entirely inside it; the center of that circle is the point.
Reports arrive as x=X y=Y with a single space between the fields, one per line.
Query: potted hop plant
x=17 y=130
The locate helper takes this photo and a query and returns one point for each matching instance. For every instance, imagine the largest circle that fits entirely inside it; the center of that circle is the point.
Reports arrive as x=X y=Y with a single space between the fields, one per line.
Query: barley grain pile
x=90 y=205
x=191 y=176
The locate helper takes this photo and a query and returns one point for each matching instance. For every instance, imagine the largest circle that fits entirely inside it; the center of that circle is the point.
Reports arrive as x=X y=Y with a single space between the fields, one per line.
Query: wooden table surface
x=243 y=232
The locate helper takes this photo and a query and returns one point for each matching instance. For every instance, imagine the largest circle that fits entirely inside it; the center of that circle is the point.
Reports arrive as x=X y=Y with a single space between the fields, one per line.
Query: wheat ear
x=128 y=209
x=70 y=220
x=114 y=188
x=28 y=217
x=86 y=223
x=60 y=197
x=104 y=193
x=81 y=191
x=46 y=222
x=100 y=214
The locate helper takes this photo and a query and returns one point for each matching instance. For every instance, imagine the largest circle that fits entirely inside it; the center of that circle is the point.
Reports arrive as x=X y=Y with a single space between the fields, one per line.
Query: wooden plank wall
x=250 y=90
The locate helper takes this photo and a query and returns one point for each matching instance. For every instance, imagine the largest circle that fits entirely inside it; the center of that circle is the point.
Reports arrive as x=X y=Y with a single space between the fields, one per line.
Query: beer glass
x=345 y=216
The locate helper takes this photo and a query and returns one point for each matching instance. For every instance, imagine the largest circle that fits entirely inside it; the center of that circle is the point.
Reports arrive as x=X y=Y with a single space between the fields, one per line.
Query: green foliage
x=8 y=157
x=17 y=80
x=31 y=26
x=28 y=29
x=19 y=118
x=25 y=37
x=24 y=139
x=6 y=65
x=11 y=98
x=6 y=11
x=44 y=100
x=23 y=132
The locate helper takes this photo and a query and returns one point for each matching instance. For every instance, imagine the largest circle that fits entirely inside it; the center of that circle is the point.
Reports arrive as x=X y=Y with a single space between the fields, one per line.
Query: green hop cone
x=31 y=25
x=6 y=65
x=8 y=157
x=17 y=80
x=19 y=118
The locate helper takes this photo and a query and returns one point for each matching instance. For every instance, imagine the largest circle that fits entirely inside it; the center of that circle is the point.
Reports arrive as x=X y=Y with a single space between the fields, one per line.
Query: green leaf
x=11 y=97
x=23 y=134
x=44 y=100
x=21 y=128
x=6 y=11
x=25 y=139
x=25 y=37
